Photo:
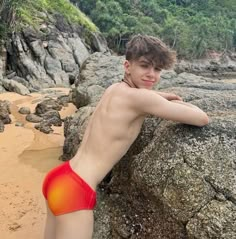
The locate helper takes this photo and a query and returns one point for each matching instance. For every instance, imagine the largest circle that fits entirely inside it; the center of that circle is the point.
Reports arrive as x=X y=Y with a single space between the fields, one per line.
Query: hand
x=170 y=96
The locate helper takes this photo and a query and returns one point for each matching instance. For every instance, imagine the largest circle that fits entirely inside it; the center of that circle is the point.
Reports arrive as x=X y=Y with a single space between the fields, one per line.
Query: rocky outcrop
x=217 y=65
x=47 y=114
x=176 y=181
x=51 y=55
x=102 y=69
x=99 y=71
x=24 y=110
x=14 y=86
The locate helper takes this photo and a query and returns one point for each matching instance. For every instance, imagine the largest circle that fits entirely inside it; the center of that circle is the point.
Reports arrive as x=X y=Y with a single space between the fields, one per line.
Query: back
x=111 y=130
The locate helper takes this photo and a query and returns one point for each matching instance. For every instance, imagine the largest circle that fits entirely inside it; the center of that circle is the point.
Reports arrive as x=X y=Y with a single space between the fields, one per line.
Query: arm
x=169 y=96
x=186 y=103
x=148 y=102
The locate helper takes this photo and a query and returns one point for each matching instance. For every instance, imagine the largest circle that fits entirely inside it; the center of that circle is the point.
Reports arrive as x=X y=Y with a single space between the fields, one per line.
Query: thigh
x=75 y=225
x=50 y=226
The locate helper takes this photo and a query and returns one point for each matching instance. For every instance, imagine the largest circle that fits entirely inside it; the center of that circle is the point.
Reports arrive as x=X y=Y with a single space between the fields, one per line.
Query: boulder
x=74 y=127
x=101 y=69
x=47 y=105
x=24 y=110
x=44 y=127
x=14 y=86
x=84 y=95
x=52 y=117
x=33 y=118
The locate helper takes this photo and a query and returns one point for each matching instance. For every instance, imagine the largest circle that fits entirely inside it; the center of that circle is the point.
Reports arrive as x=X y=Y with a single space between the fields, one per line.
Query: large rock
x=47 y=105
x=33 y=118
x=48 y=113
x=184 y=168
x=15 y=86
x=74 y=128
x=99 y=71
x=83 y=95
x=218 y=65
x=102 y=69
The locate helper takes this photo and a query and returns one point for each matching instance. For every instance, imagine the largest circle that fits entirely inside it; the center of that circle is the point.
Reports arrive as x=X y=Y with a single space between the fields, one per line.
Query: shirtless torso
x=112 y=128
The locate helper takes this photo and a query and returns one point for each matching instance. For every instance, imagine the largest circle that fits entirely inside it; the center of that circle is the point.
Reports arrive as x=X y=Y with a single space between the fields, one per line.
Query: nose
x=153 y=74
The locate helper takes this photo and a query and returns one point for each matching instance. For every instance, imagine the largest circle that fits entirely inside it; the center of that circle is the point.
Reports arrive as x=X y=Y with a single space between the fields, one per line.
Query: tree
x=191 y=27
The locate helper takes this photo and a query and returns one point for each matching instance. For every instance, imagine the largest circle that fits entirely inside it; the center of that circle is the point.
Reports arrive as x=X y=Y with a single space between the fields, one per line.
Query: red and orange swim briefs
x=65 y=191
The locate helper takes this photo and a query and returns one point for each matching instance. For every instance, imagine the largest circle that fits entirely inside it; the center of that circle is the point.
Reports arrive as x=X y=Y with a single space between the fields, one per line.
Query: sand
x=26 y=155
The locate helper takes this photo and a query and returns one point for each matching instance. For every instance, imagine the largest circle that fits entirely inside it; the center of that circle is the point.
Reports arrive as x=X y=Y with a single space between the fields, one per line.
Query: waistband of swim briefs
x=78 y=178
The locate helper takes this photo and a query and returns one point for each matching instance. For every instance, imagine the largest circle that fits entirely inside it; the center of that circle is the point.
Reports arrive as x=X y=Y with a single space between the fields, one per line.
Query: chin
x=149 y=87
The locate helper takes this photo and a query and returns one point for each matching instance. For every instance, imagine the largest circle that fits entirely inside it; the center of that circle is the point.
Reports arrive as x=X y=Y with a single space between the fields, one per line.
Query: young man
x=116 y=122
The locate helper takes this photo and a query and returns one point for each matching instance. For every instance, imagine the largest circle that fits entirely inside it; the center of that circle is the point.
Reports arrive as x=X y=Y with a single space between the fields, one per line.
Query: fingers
x=175 y=97
x=179 y=98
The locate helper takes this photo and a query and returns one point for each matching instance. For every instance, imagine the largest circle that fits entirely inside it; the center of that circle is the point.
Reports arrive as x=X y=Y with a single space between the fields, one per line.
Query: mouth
x=149 y=82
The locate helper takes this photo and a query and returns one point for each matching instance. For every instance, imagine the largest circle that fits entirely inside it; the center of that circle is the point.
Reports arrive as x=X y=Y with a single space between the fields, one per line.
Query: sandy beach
x=26 y=155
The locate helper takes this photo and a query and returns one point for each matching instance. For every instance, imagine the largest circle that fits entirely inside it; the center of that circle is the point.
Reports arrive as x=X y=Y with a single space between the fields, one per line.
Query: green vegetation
x=192 y=27
x=29 y=12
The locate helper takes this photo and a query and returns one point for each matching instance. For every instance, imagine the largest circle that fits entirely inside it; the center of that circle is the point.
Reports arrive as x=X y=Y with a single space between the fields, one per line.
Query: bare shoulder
x=120 y=90
x=140 y=98
x=125 y=96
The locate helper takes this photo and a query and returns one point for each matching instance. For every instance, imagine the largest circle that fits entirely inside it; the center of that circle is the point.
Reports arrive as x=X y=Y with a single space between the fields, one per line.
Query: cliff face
x=48 y=55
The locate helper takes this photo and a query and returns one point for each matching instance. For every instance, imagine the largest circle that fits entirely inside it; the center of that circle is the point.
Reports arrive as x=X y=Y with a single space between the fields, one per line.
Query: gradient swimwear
x=65 y=191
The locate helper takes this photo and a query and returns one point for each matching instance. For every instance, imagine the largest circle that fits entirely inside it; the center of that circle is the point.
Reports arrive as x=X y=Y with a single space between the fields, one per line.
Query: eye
x=144 y=65
x=157 y=69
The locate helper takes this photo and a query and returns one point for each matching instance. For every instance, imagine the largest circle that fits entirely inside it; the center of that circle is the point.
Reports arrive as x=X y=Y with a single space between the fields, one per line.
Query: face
x=142 y=73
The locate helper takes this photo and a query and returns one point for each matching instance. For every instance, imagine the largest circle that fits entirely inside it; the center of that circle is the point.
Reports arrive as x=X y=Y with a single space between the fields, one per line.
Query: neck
x=130 y=84
x=126 y=82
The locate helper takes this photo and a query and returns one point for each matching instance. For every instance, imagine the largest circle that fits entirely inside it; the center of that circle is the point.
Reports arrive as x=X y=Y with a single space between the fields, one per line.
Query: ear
x=127 y=67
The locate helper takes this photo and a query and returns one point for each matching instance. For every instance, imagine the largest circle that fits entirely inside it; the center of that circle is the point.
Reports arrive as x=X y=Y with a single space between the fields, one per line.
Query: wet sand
x=26 y=155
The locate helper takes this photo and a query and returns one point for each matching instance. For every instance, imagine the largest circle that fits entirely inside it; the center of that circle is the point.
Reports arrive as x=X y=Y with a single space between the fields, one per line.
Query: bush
x=28 y=12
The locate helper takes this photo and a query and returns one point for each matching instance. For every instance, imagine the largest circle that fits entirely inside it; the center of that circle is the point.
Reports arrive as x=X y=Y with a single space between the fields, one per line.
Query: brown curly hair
x=152 y=48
